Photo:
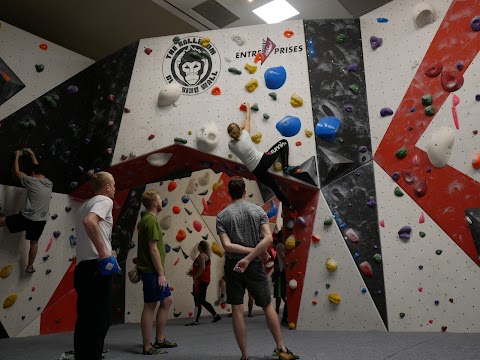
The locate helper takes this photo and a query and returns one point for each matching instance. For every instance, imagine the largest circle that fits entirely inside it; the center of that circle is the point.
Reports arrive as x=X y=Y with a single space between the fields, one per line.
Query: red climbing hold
x=33 y=288
x=476 y=161
x=148 y=51
x=43 y=46
x=216 y=91
x=288 y=34
x=259 y=57
x=205 y=204
x=197 y=225
x=366 y=269
x=151 y=137
x=174 y=264
x=420 y=289
x=420 y=188
x=434 y=70
x=49 y=245
x=382 y=223
x=430 y=321
x=223 y=305
x=243 y=108
x=176 y=209
x=421 y=219
x=315 y=239
x=181 y=235
x=444 y=328
x=298 y=143
x=172 y=185
x=452 y=80
x=111 y=98
x=475 y=132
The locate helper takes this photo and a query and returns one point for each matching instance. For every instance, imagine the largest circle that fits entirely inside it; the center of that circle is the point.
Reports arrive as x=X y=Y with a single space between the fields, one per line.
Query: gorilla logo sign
x=194 y=67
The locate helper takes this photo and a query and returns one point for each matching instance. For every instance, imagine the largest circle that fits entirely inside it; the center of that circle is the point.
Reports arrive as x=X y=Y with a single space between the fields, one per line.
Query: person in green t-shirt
x=150 y=265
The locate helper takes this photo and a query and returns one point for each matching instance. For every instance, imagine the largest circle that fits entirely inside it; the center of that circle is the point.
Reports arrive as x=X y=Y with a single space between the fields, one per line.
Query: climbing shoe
x=290 y=170
x=165 y=344
x=216 y=318
x=286 y=355
x=194 y=323
x=152 y=351
x=30 y=270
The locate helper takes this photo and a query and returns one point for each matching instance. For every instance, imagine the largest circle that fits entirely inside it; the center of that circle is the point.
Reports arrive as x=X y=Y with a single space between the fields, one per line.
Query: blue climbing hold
x=73 y=240
x=273 y=210
x=364 y=290
x=275 y=77
x=185 y=199
x=164 y=202
x=289 y=126
x=382 y=20
x=412 y=109
x=167 y=248
x=356 y=255
x=327 y=128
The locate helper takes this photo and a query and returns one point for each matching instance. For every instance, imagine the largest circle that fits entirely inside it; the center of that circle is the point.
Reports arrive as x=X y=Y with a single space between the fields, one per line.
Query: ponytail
x=234 y=131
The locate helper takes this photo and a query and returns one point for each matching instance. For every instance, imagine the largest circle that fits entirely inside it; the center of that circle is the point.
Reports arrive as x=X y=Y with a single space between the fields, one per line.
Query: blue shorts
x=151 y=289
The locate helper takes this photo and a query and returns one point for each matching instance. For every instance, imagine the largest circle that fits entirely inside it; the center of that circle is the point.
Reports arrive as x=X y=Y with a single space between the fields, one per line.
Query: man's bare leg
x=32 y=253
x=274 y=325
x=147 y=323
x=240 y=329
x=161 y=319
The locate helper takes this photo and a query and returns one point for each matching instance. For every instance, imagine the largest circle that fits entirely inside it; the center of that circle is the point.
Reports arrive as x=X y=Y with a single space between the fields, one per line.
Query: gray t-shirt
x=241 y=221
x=39 y=194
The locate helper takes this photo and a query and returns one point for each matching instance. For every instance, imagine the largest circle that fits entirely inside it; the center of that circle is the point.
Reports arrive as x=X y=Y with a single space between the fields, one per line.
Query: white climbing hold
x=227 y=59
x=424 y=13
x=159 y=159
x=292 y=284
x=192 y=186
x=169 y=94
x=239 y=40
x=204 y=179
x=439 y=147
x=208 y=137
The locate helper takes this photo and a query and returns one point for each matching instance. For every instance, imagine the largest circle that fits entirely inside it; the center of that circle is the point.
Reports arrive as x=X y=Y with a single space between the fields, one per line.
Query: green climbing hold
x=180 y=140
x=273 y=95
x=341 y=38
x=354 y=88
x=293 y=263
x=422 y=234
x=51 y=100
x=430 y=110
x=377 y=258
x=327 y=286
x=438 y=252
x=176 y=40
x=328 y=221
x=266 y=116
x=235 y=71
x=27 y=122
x=398 y=192
x=254 y=107
x=401 y=153
x=402 y=315
x=298 y=242
x=427 y=100
x=39 y=67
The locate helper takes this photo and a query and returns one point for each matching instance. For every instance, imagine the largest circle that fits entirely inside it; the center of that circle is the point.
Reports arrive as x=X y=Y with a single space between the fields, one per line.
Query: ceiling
x=96 y=28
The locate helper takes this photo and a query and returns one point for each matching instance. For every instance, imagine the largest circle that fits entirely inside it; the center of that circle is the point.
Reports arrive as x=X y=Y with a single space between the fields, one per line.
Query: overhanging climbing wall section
x=72 y=128
x=10 y=83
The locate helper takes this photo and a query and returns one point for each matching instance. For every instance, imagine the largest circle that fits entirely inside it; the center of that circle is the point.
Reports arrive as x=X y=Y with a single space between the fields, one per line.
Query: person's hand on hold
x=18 y=153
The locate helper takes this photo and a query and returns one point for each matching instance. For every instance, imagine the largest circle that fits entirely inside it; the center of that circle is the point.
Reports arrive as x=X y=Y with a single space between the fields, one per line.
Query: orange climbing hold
x=43 y=46
x=259 y=57
x=176 y=209
x=181 y=235
x=314 y=302
x=476 y=161
x=298 y=143
x=288 y=34
x=216 y=91
x=172 y=185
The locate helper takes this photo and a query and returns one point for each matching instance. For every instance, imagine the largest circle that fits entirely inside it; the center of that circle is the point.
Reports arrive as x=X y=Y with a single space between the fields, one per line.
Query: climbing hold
x=266 y=116
x=289 y=126
x=451 y=80
x=208 y=137
x=402 y=315
x=39 y=67
x=73 y=240
x=148 y=51
x=6 y=271
x=290 y=224
x=256 y=138
x=375 y=42
x=254 y=107
x=327 y=128
x=45 y=258
x=420 y=188
x=176 y=40
x=169 y=94
x=275 y=78
x=181 y=235
x=451 y=300
x=396 y=176
x=48 y=271
x=164 y=202
x=422 y=234
x=292 y=284
x=327 y=286
x=205 y=41
x=56 y=234
x=382 y=20
x=9 y=301
x=459 y=65
x=423 y=14
x=172 y=185
x=328 y=221
x=301 y=221
x=430 y=110
x=440 y=146
x=237 y=39
x=68 y=208
x=176 y=209
x=386 y=112
x=250 y=68
x=273 y=210
x=352 y=236
x=475 y=23
x=427 y=100
x=216 y=91
x=277 y=165
x=72 y=89
x=251 y=85
x=420 y=289
x=197 y=225
x=331 y=265
x=290 y=243
x=291 y=325
x=217 y=185
x=298 y=143
x=476 y=161
x=434 y=70
x=166 y=222
x=377 y=258
x=371 y=203
x=43 y=46
x=401 y=153
x=296 y=100
x=288 y=33
x=420 y=267
x=352 y=68
x=314 y=302
x=216 y=249
x=438 y=252
x=273 y=95
x=259 y=57
x=421 y=219
x=180 y=140
x=315 y=238
x=382 y=223
x=354 y=88
x=404 y=232
x=341 y=38
x=348 y=108
x=334 y=298
x=366 y=269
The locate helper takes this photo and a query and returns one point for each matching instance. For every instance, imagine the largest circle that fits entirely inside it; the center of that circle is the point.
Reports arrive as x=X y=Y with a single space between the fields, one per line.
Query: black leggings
x=261 y=171
x=200 y=300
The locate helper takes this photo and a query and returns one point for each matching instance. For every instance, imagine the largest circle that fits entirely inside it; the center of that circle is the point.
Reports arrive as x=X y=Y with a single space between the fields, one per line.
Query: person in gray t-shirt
x=34 y=217
x=245 y=234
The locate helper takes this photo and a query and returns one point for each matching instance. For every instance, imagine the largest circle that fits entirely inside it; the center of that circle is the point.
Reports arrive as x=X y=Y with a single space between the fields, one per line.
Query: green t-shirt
x=148 y=230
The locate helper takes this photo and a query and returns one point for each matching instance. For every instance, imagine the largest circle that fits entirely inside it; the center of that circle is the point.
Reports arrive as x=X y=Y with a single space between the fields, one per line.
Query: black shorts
x=254 y=279
x=18 y=222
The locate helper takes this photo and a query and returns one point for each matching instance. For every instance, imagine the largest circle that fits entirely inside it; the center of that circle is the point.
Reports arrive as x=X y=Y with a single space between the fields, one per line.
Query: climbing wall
x=425 y=274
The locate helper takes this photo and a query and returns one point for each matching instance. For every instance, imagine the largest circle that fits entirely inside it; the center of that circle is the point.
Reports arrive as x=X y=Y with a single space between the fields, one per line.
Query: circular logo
x=194 y=67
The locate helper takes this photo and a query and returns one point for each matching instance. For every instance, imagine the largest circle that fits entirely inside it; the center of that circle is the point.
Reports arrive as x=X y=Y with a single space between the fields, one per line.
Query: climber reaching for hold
x=242 y=146
x=34 y=217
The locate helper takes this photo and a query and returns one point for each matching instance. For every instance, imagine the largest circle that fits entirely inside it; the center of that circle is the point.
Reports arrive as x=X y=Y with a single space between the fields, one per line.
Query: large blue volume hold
x=327 y=128
x=275 y=77
x=289 y=126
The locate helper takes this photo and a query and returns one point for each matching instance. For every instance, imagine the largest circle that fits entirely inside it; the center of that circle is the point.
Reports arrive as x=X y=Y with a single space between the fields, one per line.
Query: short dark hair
x=37 y=169
x=236 y=188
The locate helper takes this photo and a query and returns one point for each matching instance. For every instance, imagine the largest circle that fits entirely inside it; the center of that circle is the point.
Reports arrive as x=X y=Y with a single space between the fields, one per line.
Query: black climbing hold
x=203 y=193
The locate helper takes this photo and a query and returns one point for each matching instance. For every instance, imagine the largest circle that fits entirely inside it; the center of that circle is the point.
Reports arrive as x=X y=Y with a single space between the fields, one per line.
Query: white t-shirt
x=246 y=151
x=102 y=206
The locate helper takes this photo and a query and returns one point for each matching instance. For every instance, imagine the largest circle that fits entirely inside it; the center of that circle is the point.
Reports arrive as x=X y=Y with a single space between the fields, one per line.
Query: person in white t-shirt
x=242 y=146
x=94 y=268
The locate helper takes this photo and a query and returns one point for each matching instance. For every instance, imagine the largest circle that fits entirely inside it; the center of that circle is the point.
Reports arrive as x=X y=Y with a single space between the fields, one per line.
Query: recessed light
x=275 y=11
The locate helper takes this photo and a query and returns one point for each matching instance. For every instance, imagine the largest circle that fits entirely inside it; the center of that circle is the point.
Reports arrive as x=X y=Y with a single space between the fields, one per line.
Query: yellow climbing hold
x=216 y=249
x=331 y=265
x=6 y=271
x=257 y=137
x=334 y=298
x=189 y=132
x=290 y=243
x=205 y=41
x=250 y=68
x=217 y=185
x=252 y=85
x=308 y=133
x=296 y=100
x=230 y=156
x=277 y=165
x=9 y=301
x=291 y=326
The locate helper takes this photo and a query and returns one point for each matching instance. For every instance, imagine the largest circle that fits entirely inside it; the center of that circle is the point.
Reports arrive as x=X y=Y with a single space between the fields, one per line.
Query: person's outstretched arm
x=246 y=124
x=16 y=168
x=34 y=159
